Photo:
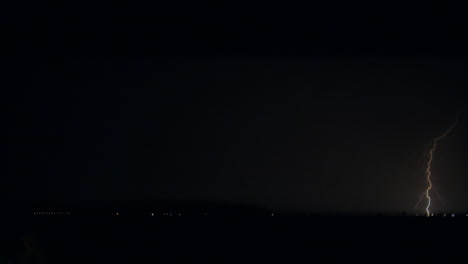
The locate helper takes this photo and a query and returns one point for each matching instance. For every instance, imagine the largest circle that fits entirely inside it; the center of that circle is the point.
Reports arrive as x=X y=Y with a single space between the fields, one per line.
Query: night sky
x=299 y=117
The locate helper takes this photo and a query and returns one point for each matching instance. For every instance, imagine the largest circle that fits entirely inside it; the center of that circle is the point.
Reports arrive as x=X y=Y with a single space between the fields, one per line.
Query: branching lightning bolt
x=428 y=169
x=420 y=200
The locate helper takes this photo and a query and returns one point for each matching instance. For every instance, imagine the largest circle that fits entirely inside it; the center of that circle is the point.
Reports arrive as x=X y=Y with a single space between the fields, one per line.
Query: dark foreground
x=203 y=239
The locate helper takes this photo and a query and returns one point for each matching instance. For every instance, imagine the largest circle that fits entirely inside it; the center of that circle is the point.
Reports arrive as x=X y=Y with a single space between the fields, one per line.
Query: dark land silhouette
x=94 y=234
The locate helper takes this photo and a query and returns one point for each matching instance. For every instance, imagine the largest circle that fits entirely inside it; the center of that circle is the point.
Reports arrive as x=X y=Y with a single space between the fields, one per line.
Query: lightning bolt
x=423 y=194
x=428 y=169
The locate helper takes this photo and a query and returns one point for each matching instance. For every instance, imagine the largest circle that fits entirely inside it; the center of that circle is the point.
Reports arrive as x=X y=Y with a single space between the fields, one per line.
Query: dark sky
x=329 y=117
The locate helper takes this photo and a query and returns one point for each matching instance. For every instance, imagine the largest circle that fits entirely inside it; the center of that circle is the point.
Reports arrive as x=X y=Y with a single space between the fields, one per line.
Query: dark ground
x=69 y=239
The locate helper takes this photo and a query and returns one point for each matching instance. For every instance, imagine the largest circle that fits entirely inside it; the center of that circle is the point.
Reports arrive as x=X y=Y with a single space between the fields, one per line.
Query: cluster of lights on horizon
x=205 y=214
x=51 y=213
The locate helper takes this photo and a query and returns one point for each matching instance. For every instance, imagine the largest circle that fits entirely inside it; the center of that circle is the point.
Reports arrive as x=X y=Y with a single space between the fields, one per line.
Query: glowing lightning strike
x=428 y=170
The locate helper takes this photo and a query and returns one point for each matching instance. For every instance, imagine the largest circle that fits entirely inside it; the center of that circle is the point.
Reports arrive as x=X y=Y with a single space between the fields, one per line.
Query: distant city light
x=272 y=214
x=453 y=215
x=116 y=213
x=180 y=214
x=152 y=214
